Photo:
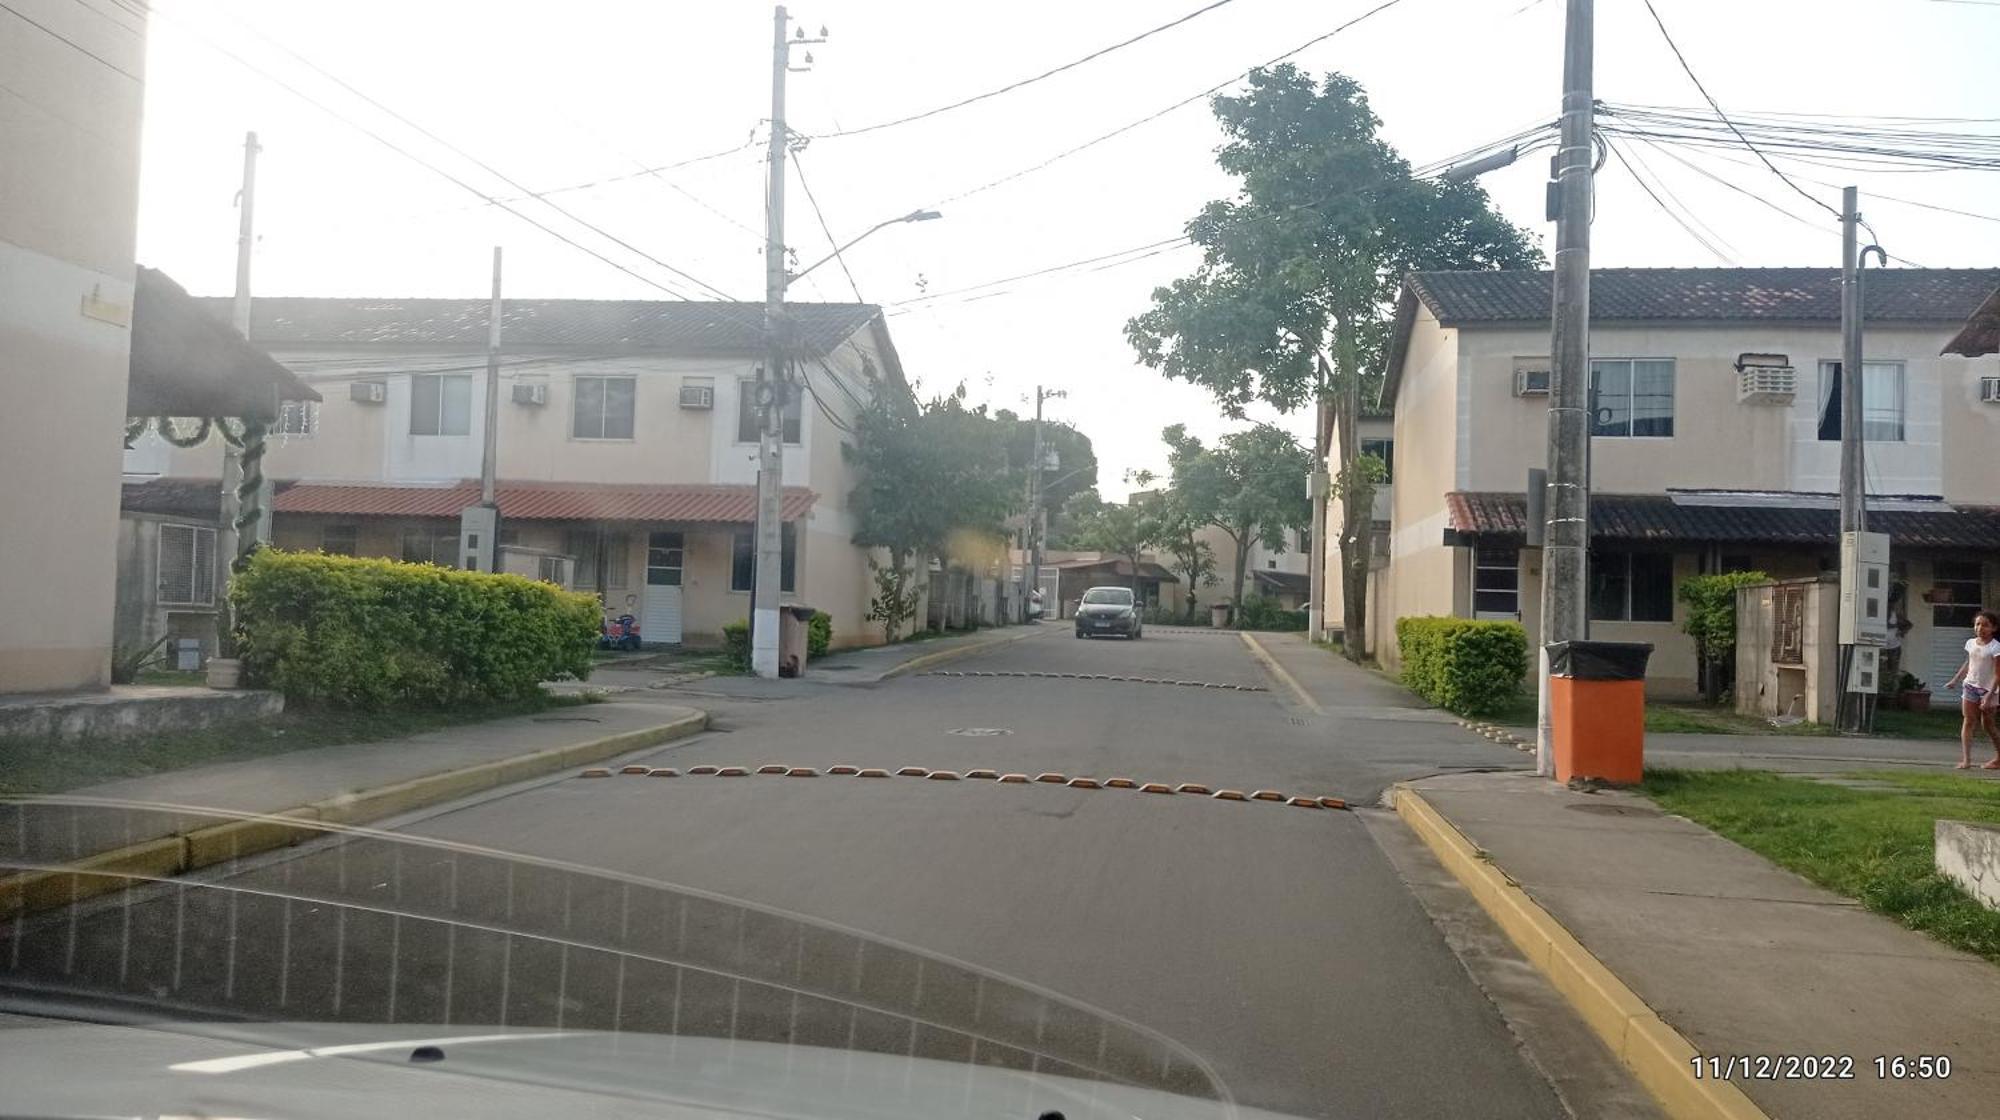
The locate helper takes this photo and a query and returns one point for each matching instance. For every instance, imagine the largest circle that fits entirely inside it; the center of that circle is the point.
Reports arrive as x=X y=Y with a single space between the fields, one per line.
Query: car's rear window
x=1118 y=595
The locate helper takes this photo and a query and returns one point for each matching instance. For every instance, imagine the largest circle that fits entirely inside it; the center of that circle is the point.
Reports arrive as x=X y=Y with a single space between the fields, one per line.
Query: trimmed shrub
x=1259 y=613
x=366 y=633
x=819 y=635
x=1472 y=668
x=736 y=643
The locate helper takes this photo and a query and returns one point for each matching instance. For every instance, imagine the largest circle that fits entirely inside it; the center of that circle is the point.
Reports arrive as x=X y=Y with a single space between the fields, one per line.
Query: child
x=1977 y=703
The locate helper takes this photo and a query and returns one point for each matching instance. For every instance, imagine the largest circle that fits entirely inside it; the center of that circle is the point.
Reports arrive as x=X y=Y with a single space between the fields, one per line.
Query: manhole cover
x=1614 y=809
x=977 y=731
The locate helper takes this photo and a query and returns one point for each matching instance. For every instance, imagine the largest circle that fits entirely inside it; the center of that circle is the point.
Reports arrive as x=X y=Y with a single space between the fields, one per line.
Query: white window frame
x=1899 y=376
x=603 y=412
x=297 y=420
x=201 y=577
x=421 y=381
x=1513 y=565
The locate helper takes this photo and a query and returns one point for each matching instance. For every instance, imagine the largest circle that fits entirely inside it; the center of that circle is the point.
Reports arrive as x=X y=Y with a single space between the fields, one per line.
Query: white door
x=660 y=617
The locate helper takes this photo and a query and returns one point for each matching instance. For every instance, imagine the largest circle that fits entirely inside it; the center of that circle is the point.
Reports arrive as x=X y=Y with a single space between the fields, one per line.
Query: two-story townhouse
x=1715 y=447
x=1374 y=431
x=626 y=443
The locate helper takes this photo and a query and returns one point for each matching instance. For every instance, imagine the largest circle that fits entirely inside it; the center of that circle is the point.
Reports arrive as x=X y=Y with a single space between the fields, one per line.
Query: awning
x=185 y=363
x=543 y=501
x=1287 y=583
x=1981 y=335
x=1807 y=519
x=1147 y=569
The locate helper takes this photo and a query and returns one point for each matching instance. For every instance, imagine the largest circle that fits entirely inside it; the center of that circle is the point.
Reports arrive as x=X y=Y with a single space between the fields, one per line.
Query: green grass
x=39 y=764
x=1713 y=719
x=1873 y=846
x=1939 y=723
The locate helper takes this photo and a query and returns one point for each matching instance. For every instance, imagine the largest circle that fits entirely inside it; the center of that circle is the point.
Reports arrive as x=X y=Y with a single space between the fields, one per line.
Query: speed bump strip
x=1303 y=802
x=1082 y=783
x=802 y=772
x=987 y=774
x=1014 y=779
x=595 y=772
x=636 y=768
x=1155 y=787
x=1229 y=795
x=1057 y=779
x=772 y=768
x=1193 y=787
x=1658 y=1056
x=1267 y=795
x=702 y=770
x=913 y=772
x=664 y=772
x=732 y=772
x=1120 y=783
x=873 y=772
x=942 y=775
x=1036 y=675
x=843 y=769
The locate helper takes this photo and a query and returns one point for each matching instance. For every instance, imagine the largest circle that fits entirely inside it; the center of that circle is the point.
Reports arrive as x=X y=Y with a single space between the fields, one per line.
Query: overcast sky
x=551 y=95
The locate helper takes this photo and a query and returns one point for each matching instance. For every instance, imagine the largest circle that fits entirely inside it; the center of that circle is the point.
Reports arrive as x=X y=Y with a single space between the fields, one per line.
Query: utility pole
x=1853 y=518
x=1033 y=577
x=1566 y=551
x=1864 y=556
x=479 y=525
x=773 y=385
x=1317 y=486
x=232 y=461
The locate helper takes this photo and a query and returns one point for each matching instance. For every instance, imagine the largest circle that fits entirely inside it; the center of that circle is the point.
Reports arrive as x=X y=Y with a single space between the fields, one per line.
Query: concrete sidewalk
x=1738 y=956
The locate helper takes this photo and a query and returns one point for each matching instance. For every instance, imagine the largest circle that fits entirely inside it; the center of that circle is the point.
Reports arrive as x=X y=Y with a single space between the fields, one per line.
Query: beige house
x=1715 y=447
x=626 y=446
x=70 y=178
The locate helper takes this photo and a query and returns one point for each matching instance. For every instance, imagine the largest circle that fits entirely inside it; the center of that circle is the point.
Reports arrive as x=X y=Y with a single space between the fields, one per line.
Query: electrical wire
x=928 y=297
x=1872 y=195
x=800 y=168
x=1012 y=86
x=1632 y=168
x=71 y=43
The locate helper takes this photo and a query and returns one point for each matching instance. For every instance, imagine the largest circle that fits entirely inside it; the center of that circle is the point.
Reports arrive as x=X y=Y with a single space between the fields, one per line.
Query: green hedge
x=736 y=639
x=1259 y=613
x=1472 y=668
x=367 y=633
x=819 y=635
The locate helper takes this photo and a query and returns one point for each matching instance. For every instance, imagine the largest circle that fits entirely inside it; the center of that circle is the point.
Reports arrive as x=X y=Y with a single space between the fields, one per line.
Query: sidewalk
x=349 y=784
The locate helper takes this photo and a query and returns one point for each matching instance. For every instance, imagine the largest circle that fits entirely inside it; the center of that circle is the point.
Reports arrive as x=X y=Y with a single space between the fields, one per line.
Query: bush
x=367 y=633
x=1259 y=613
x=1472 y=668
x=1166 y=616
x=736 y=643
x=819 y=635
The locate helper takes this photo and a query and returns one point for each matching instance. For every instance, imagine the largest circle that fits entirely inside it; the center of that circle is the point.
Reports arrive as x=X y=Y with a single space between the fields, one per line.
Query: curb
x=941 y=656
x=1272 y=667
x=1658 y=1056
x=177 y=854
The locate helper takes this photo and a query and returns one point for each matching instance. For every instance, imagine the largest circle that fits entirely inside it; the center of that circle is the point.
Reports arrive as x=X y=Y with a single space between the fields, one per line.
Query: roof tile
x=1658 y=517
x=1916 y=295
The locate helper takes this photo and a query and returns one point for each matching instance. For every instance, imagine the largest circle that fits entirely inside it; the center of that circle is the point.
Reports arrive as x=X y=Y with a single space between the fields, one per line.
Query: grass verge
x=1874 y=846
x=39 y=764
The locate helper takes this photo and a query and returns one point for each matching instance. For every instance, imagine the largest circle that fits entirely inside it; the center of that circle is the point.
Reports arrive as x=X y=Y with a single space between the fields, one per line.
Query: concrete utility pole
x=1566 y=552
x=1033 y=576
x=232 y=460
x=1317 y=485
x=1853 y=517
x=773 y=385
x=479 y=525
x=1864 y=556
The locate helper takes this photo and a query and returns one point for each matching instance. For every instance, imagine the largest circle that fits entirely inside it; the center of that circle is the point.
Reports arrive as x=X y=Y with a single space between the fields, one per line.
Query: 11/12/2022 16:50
x=1818 y=1067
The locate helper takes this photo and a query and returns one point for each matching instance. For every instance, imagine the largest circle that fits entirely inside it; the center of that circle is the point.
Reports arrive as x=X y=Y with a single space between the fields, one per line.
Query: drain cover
x=977 y=731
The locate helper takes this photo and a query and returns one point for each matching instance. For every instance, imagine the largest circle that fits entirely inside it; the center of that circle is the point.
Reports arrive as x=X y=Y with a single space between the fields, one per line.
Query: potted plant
x=1916 y=695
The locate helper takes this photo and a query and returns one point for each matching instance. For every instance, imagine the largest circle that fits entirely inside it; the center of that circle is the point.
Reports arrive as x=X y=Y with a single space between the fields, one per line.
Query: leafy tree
x=1077 y=472
x=1251 y=485
x=1066 y=526
x=933 y=483
x=1126 y=530
x=1291 y=302
x=1194 y=560
x=1711 y=619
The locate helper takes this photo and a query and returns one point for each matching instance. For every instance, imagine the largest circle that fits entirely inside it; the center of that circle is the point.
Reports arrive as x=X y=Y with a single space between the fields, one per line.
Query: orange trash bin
x=1597 y=710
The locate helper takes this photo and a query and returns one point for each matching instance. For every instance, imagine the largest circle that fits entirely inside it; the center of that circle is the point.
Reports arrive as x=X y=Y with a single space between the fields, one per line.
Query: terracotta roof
x=1981 y=335
x=1911 y=295
x=542 y=501
x=682 y=327
x=1808 y=521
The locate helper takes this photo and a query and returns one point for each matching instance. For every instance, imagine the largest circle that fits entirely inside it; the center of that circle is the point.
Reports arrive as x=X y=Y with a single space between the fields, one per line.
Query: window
x=1881 y=401
x=548 y=569
x=187 y=565
x=1632 y=397
x=1383 y=449
x=1496 y=583
x=1788 y=627
x=743 y=560
x=440 y=404
x=746 y=414
x=431 y=546
x=604 y=408
x=588 y=547
x=297 y=420
x=1632 y=586
x=666 y=555
x=339 y=540
x=1955 y=593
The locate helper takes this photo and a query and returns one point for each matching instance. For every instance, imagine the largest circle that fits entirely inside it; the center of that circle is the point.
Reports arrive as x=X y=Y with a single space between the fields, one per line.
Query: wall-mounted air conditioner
x=1989 y=390
x=368 y=392
x=1531 y=382
x=1767 y=384
x=531 y=393
x=697 y=396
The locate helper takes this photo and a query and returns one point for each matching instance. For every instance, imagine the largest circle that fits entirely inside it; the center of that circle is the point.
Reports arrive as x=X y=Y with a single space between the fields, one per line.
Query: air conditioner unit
x=697 y=396
x=1989 y=390
x=1772 y=384
x=1531 y=383
x=368 y=392
x=534 y=393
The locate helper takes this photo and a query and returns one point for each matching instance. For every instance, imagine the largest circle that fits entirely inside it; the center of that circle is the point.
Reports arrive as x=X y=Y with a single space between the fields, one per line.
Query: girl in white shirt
x=1979 y=700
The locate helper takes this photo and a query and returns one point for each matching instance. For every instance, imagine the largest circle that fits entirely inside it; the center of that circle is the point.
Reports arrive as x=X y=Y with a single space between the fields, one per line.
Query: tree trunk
x=1242 y=540
x=1357 y=526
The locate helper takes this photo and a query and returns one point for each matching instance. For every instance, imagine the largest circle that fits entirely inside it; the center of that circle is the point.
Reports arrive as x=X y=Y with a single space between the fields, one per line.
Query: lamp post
x=912 y=216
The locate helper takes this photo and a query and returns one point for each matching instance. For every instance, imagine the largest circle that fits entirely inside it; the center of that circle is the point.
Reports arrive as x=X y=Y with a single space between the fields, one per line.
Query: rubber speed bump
x=843 y=768
x=1056 y=779
x=1014 y=779
x=663 y=772
x=595 y=772
x=942 y=775
x=772 y=768
x=636 y=769
x=1193 y=787
x=1082 y=783
x=985 y=774
x=802 y=772
x=872 y=772
x=1155 y=787
x=732 y=772
x=1267 y=795
x=1302 y=802
x=1332 y=803
x=1229 y=795
x=913 y=772
x=1120 y=783
x=701 y=770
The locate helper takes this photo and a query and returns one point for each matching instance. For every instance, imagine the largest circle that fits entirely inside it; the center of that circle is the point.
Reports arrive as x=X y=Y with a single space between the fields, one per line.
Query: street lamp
x=912 y=216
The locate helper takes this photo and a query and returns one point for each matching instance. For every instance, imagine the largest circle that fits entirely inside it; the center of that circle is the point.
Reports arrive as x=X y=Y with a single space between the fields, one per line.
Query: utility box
x=794 y=639
x=1864 y=589
x=1597 y=710
x=478 y=537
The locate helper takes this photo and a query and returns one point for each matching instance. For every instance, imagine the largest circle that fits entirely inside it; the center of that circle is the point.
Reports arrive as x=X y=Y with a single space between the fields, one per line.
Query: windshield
x=1118 y=596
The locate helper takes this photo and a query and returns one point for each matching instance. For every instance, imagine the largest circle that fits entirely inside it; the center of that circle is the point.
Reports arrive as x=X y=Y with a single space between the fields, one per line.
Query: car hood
x=59 y=1069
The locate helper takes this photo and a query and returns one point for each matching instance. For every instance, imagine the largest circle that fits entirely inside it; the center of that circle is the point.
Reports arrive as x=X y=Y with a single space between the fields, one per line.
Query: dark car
x=1108 y=610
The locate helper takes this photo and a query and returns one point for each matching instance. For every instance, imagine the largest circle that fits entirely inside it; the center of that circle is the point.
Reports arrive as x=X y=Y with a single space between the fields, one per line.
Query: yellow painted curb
x=944 y=655
x=1272 y=667
x=203 y=847
x=1656 y=1054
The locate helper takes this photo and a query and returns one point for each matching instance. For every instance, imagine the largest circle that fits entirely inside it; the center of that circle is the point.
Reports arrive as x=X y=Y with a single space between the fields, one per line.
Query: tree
x=1125 y=530
x=1711 y=619
x=933 y=483
x=1251 y=485
x=1291 y=303
x=1194 y=560
x=1077 y=472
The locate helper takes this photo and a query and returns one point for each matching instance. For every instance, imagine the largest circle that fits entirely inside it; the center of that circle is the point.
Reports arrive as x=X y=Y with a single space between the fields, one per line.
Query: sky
x=536 y=96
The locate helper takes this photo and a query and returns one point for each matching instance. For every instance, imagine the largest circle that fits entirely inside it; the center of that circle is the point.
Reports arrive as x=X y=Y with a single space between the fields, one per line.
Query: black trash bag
x=1599 y=661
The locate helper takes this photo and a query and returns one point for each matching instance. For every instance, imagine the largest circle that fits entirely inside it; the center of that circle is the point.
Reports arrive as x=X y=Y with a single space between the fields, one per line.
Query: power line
x=1012 y=86
x=1710 y=98
x=926 y=298
x=1633 y=170
x=72 y=43
x=1873 y=195
x=799 y=168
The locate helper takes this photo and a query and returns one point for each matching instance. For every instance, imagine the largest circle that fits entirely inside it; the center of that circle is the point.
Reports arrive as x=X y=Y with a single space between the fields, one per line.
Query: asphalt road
x=1277 y=943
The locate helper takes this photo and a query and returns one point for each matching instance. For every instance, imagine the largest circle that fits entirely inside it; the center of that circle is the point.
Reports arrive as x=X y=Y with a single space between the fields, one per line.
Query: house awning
x=543 y=501
x=185 y=363
x=1122 y=568
x=1284 y=583
x=1981 y=335
x=1737 y=518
